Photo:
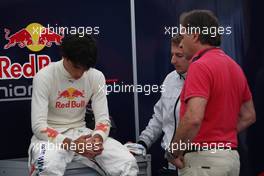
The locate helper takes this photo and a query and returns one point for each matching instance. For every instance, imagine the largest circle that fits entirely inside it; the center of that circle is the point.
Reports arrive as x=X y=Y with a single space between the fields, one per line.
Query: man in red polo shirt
x=216 y=103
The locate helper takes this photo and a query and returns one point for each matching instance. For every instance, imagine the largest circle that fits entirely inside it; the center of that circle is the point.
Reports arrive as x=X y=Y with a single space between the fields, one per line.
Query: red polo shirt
x=220 y=80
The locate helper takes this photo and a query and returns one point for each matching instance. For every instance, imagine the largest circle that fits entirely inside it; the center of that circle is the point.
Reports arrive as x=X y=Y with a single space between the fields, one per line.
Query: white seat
x=19 y=167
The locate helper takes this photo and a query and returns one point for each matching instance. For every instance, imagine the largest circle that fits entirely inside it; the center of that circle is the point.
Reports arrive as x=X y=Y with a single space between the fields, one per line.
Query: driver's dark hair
x=80 y=50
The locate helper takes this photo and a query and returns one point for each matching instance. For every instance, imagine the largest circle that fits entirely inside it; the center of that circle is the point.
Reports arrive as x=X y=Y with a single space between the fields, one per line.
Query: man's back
x=216 y=102
x=216 y=77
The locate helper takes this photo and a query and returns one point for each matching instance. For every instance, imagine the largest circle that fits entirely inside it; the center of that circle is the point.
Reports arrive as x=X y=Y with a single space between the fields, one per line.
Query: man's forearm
x=185 y=133
x=244 y=123
x=247 y=116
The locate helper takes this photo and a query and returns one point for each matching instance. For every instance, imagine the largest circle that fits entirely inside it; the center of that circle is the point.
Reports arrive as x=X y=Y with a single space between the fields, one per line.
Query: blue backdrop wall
x=115 y=60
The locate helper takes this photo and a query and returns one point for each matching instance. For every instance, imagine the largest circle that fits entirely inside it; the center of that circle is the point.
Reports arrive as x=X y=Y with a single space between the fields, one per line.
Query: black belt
x=208 y=149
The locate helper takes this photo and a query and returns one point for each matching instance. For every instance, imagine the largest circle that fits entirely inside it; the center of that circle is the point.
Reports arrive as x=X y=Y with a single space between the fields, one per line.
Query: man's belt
x=200 y=149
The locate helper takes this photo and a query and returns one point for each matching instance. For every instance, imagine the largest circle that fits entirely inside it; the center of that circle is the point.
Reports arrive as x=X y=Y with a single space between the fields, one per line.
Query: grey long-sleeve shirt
x=163 y=119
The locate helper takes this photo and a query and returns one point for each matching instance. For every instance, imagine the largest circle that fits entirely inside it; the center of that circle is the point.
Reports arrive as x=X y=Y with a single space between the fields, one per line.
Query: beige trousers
x=211 y=163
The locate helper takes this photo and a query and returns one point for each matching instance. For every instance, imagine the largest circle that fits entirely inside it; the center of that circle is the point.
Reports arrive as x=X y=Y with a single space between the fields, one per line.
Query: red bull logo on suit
x=73 y=96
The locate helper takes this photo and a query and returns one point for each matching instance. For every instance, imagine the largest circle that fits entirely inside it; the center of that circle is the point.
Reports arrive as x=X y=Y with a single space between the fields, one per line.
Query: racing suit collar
x=64 y=71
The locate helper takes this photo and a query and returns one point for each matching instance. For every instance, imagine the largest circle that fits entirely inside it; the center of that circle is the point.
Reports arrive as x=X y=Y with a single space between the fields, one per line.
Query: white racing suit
x=57 y=111
x=49 y=160
x=166 y=113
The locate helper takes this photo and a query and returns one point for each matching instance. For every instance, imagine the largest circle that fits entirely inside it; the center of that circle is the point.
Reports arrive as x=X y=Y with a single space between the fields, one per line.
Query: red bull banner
x=34 y=37
x=30 y=37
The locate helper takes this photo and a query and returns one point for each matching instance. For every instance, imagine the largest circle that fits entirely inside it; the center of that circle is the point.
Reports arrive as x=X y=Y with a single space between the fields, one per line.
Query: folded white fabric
x=136 y=148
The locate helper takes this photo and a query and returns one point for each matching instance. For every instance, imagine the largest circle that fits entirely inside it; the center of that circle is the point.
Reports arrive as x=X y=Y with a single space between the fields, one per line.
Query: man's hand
x=178 y=162
x=80 y=144
x=88 y=146
x=94 y=146
x=97 y=142
x=136 y=148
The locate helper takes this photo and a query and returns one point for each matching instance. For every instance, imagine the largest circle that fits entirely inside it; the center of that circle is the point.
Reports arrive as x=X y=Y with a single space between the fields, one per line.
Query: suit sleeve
x=154 y=129
x=39 y=111
x=100 y=107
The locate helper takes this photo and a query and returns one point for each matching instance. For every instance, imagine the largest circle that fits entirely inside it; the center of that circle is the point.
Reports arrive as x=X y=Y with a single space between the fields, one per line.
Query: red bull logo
x=48 y=37
x=22 y=38
x=70 y=94
x=9 y=70
x=35 y=37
